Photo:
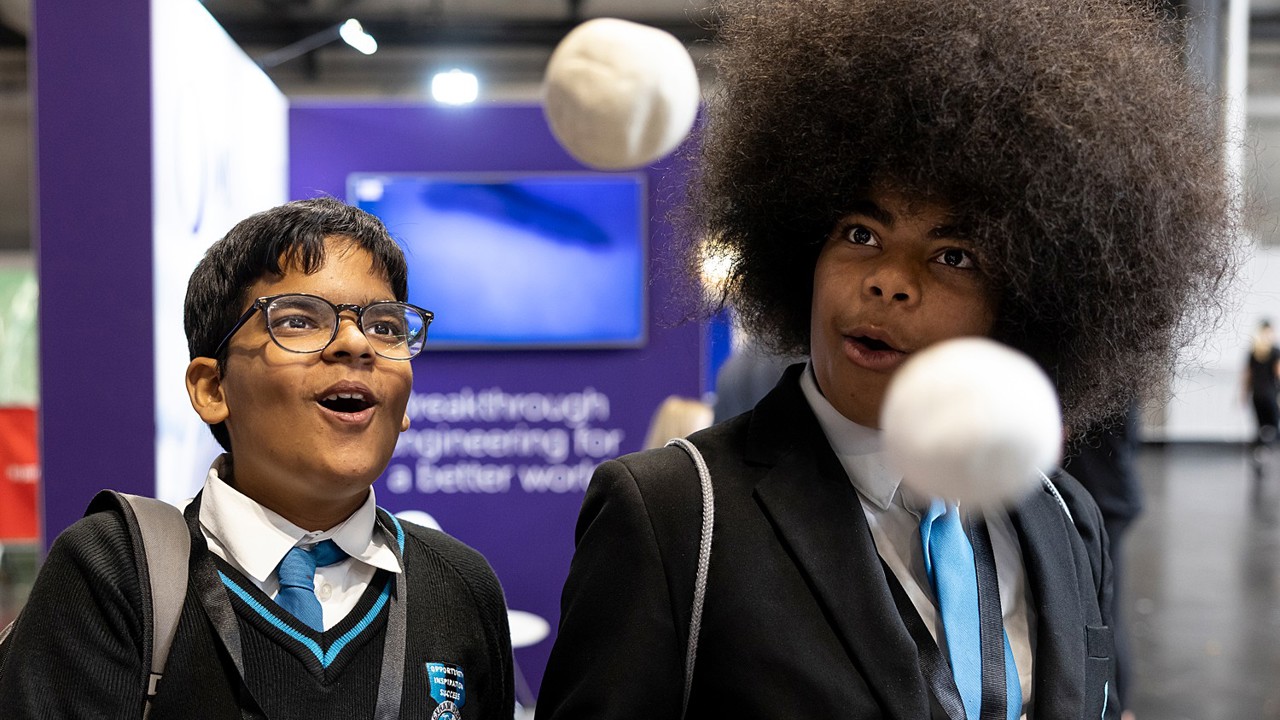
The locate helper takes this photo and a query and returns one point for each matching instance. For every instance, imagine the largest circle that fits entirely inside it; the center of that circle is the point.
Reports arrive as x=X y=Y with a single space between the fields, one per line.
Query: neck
x=313 y=514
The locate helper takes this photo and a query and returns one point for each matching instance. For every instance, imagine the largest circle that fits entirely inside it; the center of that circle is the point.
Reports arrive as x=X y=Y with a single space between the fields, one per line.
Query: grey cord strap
x=167 y=549
x=1053 y=490
x=704 y=562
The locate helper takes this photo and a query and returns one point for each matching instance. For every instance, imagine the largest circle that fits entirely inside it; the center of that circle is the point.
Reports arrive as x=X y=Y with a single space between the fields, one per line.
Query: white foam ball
x=971 y=420
x=620 y=95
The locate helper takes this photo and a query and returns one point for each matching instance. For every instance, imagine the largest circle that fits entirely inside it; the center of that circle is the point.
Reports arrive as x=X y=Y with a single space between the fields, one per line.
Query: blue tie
x=948 y=560
x=297 y=574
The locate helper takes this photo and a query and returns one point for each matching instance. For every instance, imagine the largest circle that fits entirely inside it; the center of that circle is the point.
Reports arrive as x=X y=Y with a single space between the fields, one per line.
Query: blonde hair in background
x=676 y=417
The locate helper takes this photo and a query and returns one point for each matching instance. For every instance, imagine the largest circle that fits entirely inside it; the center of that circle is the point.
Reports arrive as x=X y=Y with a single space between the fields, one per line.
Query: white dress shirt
x=893 y=512
x=254 y=540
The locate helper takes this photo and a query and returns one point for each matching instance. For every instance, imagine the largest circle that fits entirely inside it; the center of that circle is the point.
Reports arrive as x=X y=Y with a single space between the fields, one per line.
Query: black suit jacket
x=799 y=620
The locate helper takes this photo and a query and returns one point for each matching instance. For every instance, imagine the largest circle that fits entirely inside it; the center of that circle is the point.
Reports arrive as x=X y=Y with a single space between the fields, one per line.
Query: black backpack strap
x=395 y=647
x=159 y=533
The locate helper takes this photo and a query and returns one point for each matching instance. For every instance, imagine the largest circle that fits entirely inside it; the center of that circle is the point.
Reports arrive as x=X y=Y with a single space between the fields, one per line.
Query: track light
x=353 y=34
x=350 y=32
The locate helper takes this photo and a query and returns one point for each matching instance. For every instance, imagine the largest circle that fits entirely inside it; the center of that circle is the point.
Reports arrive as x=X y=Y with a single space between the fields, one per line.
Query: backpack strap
x=1053 y=490
x=704 y=563
x=167 y=548
x=163 y=550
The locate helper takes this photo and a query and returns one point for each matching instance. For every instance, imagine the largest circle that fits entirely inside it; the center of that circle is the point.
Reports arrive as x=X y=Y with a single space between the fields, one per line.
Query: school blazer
x=799 y=620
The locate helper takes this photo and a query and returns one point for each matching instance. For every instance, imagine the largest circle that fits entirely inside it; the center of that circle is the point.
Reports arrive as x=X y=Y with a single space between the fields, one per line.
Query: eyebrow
x=886 y=218
x=873 y=211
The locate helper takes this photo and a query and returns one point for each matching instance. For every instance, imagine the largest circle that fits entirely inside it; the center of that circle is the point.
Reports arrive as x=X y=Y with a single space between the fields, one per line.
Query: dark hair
x=291 y=235
x=1083 y=161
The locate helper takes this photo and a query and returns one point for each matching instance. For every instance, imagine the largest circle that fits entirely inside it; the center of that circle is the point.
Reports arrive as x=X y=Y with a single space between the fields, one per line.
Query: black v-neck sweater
x=76 y=651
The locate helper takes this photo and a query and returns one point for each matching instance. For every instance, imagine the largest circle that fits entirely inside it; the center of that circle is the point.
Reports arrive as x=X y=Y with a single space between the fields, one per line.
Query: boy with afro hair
x=888 y=174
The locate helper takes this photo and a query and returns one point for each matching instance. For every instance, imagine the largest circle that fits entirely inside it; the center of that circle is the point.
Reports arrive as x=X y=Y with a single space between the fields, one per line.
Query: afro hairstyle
x=1081 y=157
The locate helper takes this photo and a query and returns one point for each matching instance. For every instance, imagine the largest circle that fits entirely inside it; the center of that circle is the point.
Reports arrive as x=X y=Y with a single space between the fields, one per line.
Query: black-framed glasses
x=303 y=323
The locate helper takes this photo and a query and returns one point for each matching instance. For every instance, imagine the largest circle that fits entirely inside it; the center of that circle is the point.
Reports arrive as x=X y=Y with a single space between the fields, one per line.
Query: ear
x=204 y=387
x=404 y=424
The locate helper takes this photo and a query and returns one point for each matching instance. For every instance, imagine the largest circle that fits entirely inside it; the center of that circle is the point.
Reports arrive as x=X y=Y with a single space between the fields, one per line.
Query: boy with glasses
x=304 y=599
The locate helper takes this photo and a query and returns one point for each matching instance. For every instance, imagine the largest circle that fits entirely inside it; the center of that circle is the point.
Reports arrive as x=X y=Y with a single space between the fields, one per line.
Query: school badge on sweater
x=447 y=689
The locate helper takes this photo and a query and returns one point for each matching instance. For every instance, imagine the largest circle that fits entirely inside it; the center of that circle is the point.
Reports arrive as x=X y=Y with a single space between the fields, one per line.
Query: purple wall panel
x=92 y=89
x=527 y=535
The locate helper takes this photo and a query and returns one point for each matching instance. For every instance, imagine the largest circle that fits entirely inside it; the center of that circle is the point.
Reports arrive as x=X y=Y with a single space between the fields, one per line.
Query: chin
x=355 y=475
x=861 y=403
x=360 y=456
x=363 y=474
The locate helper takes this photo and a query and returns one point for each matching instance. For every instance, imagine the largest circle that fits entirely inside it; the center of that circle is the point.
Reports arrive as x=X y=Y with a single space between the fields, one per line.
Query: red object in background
x=19 y=475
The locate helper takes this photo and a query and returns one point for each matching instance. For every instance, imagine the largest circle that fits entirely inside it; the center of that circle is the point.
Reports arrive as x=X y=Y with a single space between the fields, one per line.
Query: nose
x=894 y=280
x=349 y=342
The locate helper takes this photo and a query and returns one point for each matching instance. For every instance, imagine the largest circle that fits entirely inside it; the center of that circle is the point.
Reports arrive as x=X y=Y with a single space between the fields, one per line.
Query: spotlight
x=455 y=87
x=353 y=34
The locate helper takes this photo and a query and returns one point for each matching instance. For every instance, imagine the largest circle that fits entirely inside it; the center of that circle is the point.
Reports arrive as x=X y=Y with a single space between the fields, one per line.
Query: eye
x=957 y=258
x=386 y=328
x=861 y=235
x=385 y=321
x=293 y=322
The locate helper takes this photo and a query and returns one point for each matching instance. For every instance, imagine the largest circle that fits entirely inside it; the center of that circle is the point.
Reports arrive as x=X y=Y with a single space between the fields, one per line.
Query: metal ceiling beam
x=1264 y=25
x=390 y=33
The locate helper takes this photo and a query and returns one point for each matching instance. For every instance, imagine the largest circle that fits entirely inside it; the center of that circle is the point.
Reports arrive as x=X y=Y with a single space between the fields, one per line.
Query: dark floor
x=1202 y=587
x=1201 y=592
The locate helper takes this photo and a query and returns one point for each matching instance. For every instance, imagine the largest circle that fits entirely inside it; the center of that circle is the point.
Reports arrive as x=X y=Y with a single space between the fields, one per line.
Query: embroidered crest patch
x=447 y=689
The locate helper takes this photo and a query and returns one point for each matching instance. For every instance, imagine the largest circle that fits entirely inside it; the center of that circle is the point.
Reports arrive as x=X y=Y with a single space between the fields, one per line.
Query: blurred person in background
x=1262 y=382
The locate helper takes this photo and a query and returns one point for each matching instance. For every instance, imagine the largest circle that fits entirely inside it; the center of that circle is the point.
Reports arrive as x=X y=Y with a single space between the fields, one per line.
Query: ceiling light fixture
x=351 y=32
x=455 y=87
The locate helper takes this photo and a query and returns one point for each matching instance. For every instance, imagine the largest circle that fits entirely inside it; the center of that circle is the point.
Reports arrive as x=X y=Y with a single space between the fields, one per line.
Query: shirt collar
x=258 y=538
x=860 y=449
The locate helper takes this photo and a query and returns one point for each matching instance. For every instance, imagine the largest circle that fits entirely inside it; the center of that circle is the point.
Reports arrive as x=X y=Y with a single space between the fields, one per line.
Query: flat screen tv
x=519 y=260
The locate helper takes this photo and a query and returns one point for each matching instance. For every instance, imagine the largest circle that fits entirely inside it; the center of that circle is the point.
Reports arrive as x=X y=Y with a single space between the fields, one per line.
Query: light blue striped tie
x=297 y=574
x=948 y=560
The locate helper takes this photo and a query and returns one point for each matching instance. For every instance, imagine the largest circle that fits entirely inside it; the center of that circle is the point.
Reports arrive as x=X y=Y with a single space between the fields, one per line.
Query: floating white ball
x=973 y=421
x=620 y=95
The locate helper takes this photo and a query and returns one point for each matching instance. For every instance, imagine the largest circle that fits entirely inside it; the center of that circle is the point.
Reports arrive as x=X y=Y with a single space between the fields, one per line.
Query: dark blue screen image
x=519 y=261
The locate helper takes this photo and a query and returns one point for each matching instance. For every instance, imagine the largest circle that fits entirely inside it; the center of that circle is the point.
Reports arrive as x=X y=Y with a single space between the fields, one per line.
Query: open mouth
x=875 y=345
x=345 y=402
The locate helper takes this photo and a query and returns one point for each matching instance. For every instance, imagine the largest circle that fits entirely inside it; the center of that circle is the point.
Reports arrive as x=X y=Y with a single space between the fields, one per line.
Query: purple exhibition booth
x=517 y=504
x=526 y=532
